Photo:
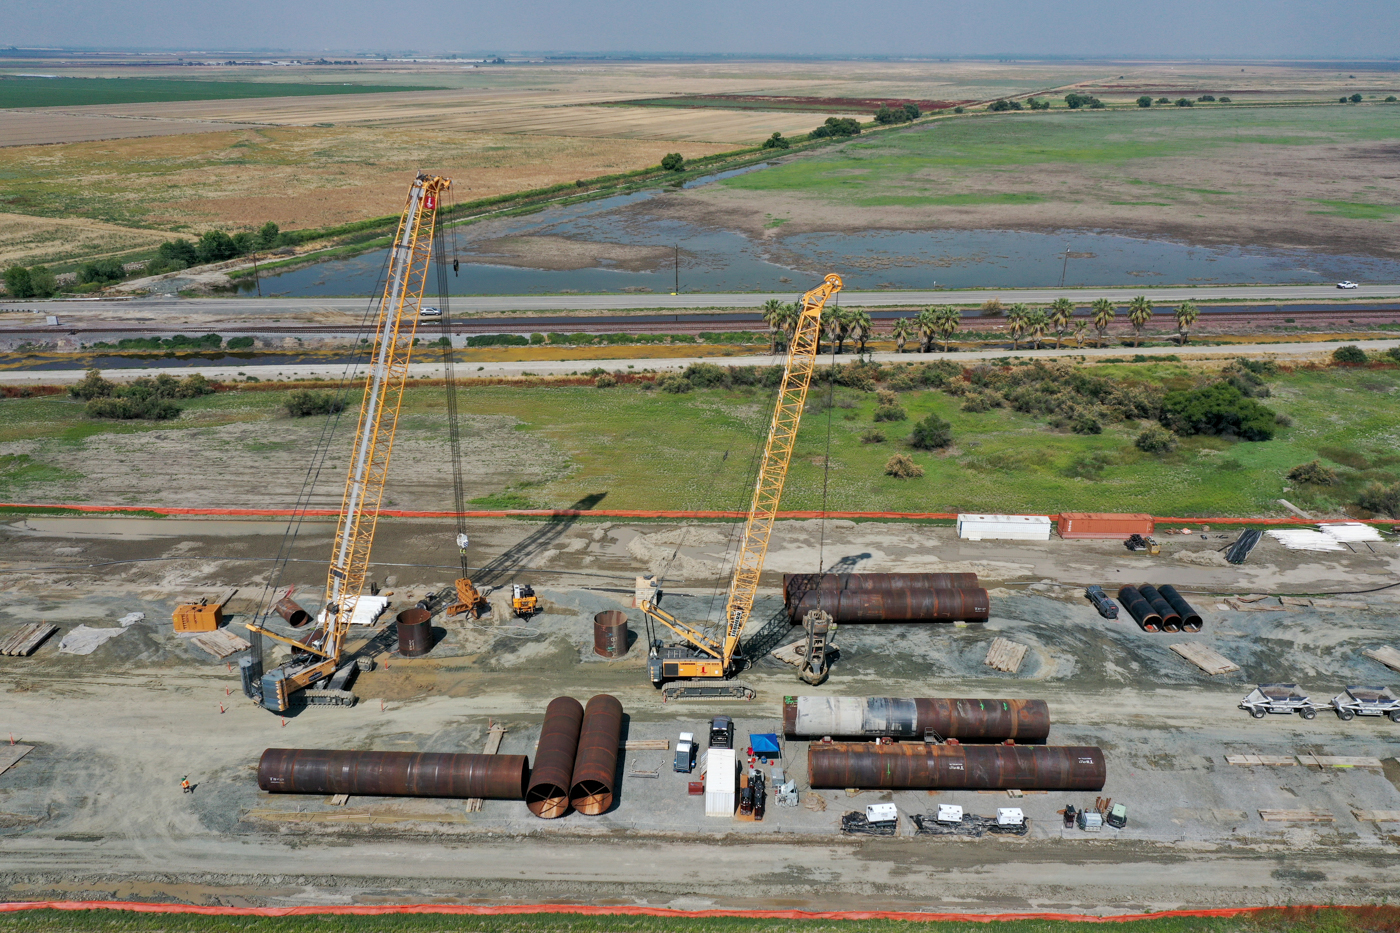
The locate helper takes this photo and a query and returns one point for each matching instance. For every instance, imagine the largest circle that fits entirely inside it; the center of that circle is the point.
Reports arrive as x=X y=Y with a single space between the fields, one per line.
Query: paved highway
x=229 y=308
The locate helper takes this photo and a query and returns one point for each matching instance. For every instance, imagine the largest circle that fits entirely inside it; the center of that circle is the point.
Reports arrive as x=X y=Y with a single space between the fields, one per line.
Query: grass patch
x=950 y=200
x=1357 y=210
x=77 y=92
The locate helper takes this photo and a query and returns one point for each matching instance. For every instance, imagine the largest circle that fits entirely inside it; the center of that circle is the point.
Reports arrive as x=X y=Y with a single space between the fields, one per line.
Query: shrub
x=178 y=254
x=836 y=126
x=903 y=382
x=1155 y=439
x=993 y=307
x=1224 y=100
x=890 y=413
x=1350 y=355
x=674 y=383
x=1164 y=100
x=1145 y=100
x=707 y=376
x=216 y=246
x=1185 y=102
x=1381 y=498
x=240 y=343
x=1389 y=100
x=150 y=408
x=872 y=436
x=673 y=162
x=977 y=402
x=93 y=386
x=1314 y=474
x=1074 y=100
x=100 y=272
x=1219 y=408
x=1086 y=423
x=1355 y=98
x=18 y=283
x=886 y=397
x=302 y=403
x=776 y=141
x=604 y=382
x=1206 y=98
x=194 y=386
x=932 y=433
x=1394 y=354
x=902 y=466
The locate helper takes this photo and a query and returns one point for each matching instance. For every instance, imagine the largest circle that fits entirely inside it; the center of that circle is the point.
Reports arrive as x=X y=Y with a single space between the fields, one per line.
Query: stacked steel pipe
x=595 y=767
x=918 y=766
x=392 y=774
x=965 y=720
x=1159 y=608
x=887 y=597
x=548 y=793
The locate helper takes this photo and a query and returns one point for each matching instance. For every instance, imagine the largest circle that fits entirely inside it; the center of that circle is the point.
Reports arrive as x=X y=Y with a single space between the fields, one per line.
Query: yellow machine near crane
x=317 y=656
x=702 y=657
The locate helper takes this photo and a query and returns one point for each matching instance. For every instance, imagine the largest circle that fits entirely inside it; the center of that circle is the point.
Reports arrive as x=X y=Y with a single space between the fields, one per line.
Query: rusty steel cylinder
x=415 y=632
x=916 y=766
x=392 y=774
x=1171 y=620
x=1139 y=608
x=550 y=780
x=610 y=634
x=595 y=765
x=289 y=610
x=1025 y=721
x=1190 y=618
x=892 y=597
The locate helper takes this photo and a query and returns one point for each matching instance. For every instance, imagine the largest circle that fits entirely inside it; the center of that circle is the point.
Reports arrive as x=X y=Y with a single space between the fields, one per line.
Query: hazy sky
x=1164 y=28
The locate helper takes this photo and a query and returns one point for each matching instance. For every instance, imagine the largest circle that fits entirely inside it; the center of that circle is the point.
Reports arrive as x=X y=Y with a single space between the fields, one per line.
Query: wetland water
x=719 y=260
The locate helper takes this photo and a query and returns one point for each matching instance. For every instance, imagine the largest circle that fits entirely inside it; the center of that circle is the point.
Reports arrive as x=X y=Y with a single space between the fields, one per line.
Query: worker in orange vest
x=185 y=787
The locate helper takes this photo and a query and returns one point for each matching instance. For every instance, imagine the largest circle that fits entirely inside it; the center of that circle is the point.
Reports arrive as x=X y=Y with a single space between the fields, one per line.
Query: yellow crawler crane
x=704 y=658
x=316 y=656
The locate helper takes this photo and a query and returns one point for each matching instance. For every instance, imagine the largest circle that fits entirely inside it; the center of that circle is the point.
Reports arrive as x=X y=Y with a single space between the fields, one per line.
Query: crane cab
x=681 y=662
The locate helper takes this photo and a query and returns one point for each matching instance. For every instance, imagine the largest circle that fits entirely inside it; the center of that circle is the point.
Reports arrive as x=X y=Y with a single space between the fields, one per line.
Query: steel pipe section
x=292 y=612
x=1190 y=618
x=548 y=793
x=415 y=632
x=392 y=774
x=610 y=634
x=1026 y=721
x=1171 y=621
x=916 y=766
x=595 y=766
x=888 y=597
x=1139 y=608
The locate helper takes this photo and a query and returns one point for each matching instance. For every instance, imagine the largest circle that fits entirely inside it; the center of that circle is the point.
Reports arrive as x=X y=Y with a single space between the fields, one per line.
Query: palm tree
x=1104 y=313
x=861 y=327
x=901 y=332
x=927 y=323
x=1079 y=328
x=836 y=322
x=1139 y=314
x=775 y=315
x=948 y=318
x=1016 y=322
x=1186 y=315
x=1061 y=310
x=1036 y=322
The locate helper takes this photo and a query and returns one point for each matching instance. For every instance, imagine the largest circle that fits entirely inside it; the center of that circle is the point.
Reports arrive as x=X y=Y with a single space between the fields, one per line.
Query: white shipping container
x=1004 y=527
x=721 y=782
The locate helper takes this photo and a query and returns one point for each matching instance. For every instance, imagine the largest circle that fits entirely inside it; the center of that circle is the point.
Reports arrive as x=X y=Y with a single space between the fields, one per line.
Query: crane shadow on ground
x=779 y=626
x=518 y=558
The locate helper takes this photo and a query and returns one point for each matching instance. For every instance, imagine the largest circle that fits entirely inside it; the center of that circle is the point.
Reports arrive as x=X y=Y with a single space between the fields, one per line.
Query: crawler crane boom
x=317 y=655
x=704 y=657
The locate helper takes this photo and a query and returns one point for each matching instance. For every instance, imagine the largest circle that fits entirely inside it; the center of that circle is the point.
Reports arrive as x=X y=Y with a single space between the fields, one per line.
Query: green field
x=695 y=451
x=1279 y=920
x=77 y=92
x=915 y=165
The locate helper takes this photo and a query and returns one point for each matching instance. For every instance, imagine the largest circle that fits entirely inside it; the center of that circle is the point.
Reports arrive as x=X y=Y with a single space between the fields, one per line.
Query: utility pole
x=1064 y=268
x=678 y=270
x=256 y=280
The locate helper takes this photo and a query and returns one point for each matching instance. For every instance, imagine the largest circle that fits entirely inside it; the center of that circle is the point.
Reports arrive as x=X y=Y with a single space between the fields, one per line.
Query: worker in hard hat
x=185 y=787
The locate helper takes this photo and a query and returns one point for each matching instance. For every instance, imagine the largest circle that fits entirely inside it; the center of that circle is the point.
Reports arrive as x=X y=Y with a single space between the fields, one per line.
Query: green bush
x=1086 y=423
x=216 y=246
x=1220 y=408
x=100 y=272
x=17 y=282
x=302 y=403
x=1145 y=100
x=674 y=383
x=604 y=382
x=536 y=340
x=890 y=413
x=872 y=436
x=498 y=340
x=1155 y=439
x=932 y=433
x=240 y=343
x=93 y=386
x=836 y=126
x=1314 y=474
x=707 y=376
x=776 y=141
x=1381 y=498
x=132 y=409
x=673 y=162
x=1350 y=355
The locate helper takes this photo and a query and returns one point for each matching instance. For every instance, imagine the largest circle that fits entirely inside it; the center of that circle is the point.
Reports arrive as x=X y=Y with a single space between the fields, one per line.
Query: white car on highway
x=430 y=312
x=1347 y=284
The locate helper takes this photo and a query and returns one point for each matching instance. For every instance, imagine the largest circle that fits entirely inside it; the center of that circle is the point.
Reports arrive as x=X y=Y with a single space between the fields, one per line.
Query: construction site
x=345 y=703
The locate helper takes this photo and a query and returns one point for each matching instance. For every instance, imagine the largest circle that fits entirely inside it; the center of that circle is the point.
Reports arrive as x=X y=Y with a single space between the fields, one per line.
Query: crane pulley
x=317 y=655
x=706 y=657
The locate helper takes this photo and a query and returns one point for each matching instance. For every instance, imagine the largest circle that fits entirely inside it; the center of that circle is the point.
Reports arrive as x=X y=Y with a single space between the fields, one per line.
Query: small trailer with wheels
x=1367 y=701
x=1279 y=699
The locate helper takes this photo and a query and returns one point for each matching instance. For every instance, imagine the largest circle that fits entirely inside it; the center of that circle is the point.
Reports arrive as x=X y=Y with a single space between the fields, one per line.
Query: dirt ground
x=95 y=811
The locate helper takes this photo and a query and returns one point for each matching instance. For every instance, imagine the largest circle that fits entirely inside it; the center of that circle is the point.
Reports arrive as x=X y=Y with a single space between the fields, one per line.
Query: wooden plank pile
x=1005 y=655
x=220 y=643
x=493 y=745
x=1377 y=816
x=1338 y=761
x=1296 y=816
x=1212 y=662
x=661 y=745
x=1276 y=761
x=1386 y=655
x=23 y=643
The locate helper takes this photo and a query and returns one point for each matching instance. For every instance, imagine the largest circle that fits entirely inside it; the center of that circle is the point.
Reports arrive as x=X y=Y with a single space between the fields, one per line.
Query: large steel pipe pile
x=855 y=598
x=1139 y=608
x=1190 y=618
x=916 y=766
x=595 y=766
x=392 y=774
x=964 y=720
x=550 y=781
x=1171 y=621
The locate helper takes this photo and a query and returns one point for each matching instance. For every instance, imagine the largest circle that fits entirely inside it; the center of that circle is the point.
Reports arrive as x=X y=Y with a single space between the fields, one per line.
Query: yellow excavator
x=704 y=658
x=316 y=656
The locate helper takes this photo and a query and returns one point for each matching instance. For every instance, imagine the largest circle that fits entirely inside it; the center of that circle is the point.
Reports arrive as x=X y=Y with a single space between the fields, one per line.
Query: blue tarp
x=765 y=744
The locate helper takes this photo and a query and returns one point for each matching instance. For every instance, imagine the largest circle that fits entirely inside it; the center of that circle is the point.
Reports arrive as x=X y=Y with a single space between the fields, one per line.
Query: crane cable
x=454 y=434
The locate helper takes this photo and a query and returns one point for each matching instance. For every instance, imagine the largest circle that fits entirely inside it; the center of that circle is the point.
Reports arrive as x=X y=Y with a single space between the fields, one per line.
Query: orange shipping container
x=1104 y=525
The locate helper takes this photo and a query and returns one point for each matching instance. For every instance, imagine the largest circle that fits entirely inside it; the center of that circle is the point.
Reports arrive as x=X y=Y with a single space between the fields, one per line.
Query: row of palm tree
x=941 y=322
